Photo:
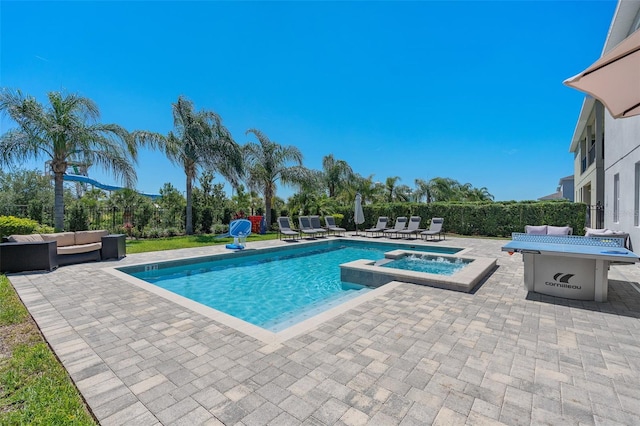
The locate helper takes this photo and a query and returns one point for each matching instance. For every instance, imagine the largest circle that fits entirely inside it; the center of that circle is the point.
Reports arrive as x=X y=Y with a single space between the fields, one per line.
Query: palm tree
x=269 y=162
x=65 y=131
x=479 y=194
x=423 y=190
x=337 y=173
x=402 y=193
x=199 y=140
x=444 y=189
x=371 y=192
x=390 y=186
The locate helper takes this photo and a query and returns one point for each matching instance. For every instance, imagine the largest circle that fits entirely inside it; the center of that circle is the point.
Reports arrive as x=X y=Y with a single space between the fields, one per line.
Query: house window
x=616 y=198
x=636 y=201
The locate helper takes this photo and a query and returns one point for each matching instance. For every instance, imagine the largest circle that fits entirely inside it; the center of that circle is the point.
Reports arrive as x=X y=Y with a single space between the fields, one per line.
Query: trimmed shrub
x=10 y=225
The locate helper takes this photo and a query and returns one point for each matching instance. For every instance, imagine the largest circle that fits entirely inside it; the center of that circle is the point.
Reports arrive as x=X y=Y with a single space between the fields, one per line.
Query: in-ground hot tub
x=455 y=272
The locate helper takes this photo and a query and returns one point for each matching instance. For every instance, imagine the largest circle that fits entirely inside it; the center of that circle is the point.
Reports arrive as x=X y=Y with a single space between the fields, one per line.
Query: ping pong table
x=569 y=266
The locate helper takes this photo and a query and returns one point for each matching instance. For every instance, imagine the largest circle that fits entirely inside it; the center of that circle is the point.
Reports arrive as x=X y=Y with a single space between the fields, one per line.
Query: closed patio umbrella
x=358 y=214
x=614 y=79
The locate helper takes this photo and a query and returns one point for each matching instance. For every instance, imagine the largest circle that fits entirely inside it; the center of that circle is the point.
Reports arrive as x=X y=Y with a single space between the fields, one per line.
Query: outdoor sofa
x=548 y=230
x=605 y=232
x=36 y=252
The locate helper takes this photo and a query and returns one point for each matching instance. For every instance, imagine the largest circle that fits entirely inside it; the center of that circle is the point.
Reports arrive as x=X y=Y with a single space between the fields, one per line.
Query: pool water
x=272 y=290
x=430 y=264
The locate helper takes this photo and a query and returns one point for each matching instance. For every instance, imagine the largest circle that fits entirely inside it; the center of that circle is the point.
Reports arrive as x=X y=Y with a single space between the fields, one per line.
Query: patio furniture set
x=35 y=252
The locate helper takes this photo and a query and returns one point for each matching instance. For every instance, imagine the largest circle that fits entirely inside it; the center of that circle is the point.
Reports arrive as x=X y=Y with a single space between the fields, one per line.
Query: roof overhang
x=588 y=104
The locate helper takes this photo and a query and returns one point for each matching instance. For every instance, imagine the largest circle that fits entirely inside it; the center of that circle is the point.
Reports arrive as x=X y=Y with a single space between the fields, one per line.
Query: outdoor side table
x=114 y=246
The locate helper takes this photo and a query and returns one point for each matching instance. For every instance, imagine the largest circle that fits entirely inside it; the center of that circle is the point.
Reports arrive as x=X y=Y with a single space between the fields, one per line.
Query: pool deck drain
x=414 y=355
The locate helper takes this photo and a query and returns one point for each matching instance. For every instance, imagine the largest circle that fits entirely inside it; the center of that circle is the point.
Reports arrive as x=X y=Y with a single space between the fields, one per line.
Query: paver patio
x=411 y=356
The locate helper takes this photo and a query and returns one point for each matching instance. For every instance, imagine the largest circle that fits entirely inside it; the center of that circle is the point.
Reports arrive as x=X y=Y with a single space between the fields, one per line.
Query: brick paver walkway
x=412 y=356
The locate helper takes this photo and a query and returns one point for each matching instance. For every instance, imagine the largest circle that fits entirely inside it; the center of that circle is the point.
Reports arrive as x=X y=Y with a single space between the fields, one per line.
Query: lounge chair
x=412 y=228
x=380 y=226
x=305 y=226
x=317 y=226
x=435 y=228
x=285 y=228
x=401 y=224
x=331 y=225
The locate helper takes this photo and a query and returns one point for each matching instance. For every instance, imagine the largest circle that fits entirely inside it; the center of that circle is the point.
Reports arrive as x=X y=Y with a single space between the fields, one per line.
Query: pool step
x=286 y=320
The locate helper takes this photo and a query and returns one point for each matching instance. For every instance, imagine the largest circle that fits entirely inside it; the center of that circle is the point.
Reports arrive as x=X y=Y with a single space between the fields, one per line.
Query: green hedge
x=10 y=225
x=498 y=219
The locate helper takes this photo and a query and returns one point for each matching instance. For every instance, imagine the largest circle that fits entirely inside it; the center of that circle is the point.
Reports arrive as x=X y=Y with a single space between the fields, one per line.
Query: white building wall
x=622 y=152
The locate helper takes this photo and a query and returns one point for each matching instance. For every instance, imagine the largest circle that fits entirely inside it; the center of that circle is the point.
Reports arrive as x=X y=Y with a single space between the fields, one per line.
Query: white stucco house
x=607 y=150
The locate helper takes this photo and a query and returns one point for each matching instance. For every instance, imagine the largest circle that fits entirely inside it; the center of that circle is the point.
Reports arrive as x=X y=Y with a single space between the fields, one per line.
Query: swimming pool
x=270 y=288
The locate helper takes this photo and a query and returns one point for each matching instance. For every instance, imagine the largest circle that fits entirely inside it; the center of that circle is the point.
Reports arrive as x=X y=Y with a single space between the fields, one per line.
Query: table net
x=569 y=239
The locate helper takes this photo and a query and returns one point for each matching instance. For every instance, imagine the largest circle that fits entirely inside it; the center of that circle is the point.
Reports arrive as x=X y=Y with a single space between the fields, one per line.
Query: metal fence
x=135 y=219
x=595 y=216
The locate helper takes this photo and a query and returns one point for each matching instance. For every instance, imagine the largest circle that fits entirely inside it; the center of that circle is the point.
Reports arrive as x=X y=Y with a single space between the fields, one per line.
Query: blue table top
x=571 y=246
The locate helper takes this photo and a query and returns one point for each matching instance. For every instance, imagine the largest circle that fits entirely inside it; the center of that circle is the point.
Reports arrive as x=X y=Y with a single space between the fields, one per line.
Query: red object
x=255 y=224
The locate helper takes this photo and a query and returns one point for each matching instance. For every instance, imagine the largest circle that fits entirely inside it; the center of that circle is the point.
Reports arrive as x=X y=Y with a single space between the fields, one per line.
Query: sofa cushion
x=595 y=232
x=81 y=248
x=559 y=230
x=62 y=238
x=87 y=237
x=536 y=230
x=31 y=238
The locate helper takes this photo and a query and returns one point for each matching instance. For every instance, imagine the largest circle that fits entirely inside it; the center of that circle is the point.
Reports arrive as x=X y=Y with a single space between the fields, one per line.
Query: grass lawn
x=34 y=388
x=188 y=241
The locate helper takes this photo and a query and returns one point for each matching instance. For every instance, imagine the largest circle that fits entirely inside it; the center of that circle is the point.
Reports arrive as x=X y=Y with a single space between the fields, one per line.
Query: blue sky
x=466 y=90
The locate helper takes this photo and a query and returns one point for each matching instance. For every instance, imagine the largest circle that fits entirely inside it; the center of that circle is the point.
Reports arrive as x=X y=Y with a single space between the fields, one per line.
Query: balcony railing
x=583 y=166
x=592 y=154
